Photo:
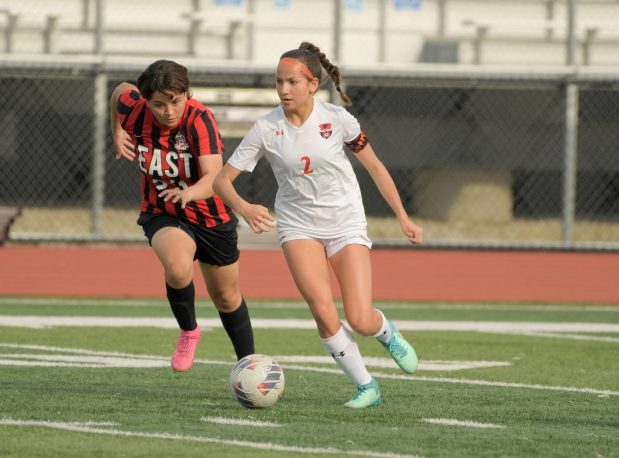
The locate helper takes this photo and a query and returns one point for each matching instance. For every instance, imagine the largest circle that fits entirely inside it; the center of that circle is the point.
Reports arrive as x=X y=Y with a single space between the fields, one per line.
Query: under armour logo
x=337 y=355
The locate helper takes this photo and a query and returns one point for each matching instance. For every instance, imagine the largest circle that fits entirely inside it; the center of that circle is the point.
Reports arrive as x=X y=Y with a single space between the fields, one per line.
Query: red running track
x=404 y=275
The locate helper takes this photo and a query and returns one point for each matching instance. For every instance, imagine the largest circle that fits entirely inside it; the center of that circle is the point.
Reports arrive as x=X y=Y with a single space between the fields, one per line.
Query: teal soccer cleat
x=401 y=351
x=367 y=395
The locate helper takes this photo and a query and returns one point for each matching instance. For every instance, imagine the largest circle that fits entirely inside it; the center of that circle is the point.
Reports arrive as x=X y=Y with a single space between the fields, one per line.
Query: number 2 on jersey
x=307 y=169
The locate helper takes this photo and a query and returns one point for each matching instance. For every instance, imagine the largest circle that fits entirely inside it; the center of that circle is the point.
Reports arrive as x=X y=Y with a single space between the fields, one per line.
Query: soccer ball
x=257 y=381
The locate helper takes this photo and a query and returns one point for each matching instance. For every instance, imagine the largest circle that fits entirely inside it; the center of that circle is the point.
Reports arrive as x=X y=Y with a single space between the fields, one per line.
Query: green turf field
x=85 y=377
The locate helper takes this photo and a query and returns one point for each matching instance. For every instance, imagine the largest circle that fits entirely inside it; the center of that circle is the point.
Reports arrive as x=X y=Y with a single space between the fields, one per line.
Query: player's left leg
x=222 y=283
x=398 y=347
x=308 y=265
x=352 y=267
x=351 y=264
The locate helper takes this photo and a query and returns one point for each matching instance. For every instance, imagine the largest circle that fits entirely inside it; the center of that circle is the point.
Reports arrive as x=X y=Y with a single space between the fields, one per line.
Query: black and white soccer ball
x=257 y=381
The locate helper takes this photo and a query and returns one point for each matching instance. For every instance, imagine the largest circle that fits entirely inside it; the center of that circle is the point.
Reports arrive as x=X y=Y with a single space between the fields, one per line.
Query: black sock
x=183 y=306
x=238 y=326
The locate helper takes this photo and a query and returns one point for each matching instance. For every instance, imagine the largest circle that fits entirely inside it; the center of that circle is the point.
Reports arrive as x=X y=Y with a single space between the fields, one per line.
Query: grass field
x=85 y=377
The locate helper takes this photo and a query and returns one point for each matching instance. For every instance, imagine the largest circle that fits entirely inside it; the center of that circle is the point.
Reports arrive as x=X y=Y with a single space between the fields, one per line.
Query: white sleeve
x=249 y=151
x=350 y=126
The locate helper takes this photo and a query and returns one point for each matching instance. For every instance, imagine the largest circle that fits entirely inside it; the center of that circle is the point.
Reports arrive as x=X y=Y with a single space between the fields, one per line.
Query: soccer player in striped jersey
x=320 y=215
x=176 y=145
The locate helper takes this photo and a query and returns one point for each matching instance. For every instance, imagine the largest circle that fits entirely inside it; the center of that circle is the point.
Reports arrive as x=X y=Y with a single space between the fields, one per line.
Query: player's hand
x=183 y=196
x=258 y=218
x=124 y=145
x=413 y=233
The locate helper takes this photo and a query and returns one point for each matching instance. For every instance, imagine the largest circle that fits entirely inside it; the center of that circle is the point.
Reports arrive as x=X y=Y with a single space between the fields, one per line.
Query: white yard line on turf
x=238 y=422
x=425 y=365
x=570 y=336
x=467 y=423
x=77 y=357
x=77 y=351
x=22 y=359
x=202 y=439
x=329 y=370
x=463 y=381
x=512 y=327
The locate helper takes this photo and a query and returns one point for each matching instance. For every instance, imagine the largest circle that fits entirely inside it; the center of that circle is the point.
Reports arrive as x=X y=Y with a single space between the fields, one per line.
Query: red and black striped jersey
x=168 y=158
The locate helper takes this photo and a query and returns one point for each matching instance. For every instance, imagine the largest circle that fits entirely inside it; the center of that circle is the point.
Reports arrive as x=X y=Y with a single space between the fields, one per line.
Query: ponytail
x=315 y=60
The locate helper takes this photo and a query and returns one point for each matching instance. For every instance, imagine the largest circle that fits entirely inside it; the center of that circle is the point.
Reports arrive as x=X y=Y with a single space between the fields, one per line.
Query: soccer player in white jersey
x=319 y=210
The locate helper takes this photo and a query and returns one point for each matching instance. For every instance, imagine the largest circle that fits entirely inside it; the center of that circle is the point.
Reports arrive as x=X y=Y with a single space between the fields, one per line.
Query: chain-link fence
x=478 y=159
x=482 y=157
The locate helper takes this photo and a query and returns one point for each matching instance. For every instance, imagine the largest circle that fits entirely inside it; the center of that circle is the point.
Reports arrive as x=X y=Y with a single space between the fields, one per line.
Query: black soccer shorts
x=217 y=245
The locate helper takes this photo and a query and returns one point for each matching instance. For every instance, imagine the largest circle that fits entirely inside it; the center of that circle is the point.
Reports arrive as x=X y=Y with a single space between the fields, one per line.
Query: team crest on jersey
x=325 y=130
x=181 y=142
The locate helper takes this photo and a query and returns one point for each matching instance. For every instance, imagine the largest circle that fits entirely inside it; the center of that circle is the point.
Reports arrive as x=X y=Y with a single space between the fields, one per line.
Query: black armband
x=358 y=143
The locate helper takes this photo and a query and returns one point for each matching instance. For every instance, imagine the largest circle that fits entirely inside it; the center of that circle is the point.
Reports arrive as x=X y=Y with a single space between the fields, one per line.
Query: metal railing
x=202 y=29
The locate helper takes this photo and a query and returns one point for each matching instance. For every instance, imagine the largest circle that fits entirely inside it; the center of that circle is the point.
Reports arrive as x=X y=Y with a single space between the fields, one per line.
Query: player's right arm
x=256 y=216
x=122 y=140
x=244 y=158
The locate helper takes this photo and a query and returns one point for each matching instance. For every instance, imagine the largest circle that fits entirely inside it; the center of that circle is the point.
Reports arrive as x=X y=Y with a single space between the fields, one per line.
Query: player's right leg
x=175 y=249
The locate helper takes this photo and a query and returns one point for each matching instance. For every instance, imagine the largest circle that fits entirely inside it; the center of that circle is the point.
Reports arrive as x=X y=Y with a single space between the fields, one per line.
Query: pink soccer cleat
x=182 y=359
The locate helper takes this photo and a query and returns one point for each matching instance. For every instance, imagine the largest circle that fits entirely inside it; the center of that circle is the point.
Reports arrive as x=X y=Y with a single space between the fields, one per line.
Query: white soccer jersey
x=318 y=193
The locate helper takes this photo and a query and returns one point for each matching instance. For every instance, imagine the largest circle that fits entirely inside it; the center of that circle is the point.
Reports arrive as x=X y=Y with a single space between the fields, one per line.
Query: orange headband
x=294 y=62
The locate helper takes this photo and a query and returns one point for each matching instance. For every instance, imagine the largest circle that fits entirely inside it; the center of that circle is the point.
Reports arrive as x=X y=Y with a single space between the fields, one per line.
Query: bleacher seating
x=372 y=31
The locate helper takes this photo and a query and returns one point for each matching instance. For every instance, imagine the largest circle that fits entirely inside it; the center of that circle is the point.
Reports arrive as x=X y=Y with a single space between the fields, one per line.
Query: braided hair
x=315 y=60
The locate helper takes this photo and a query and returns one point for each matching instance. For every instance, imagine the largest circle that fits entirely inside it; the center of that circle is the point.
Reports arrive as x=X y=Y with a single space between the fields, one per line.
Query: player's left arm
x=381 y=177
x=210 y=165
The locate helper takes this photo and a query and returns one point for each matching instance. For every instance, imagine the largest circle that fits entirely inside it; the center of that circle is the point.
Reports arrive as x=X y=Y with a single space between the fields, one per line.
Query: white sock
x=345 y=352
x=384 y=334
